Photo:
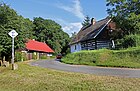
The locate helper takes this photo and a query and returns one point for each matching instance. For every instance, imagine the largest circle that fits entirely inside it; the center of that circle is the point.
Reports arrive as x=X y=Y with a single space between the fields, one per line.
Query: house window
x=75 y=47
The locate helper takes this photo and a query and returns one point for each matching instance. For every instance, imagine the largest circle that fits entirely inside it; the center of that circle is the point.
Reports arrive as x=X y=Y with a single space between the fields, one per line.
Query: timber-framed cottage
x=94 y=36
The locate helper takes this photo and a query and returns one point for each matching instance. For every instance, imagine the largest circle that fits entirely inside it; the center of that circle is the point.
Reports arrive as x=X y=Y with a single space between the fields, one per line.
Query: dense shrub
x=20 y=56
x=129 y=41
x=43 y=57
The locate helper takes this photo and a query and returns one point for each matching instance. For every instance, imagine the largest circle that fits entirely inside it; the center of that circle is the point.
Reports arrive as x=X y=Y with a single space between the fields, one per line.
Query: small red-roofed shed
x=33 y=45
x=37 y=50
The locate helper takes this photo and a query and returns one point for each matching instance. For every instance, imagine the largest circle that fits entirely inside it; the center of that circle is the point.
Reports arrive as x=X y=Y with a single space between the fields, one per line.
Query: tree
x=44 y=30
x=86 y=21
x=126 y=13
x=9 y=20
x=50 y=32
x=73 y=35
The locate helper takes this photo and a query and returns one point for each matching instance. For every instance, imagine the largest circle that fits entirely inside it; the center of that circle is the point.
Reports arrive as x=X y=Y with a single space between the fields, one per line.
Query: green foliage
x=129 y=41
x=86 y=21
x=9 y=20
x=50 y=32
x=103 y=57
x=126 y=14
x=44 y=30
x=123 y=7
x=73 y=35
x=20 y=56
x=134 y=21
x=34 y=55
x=43 y=57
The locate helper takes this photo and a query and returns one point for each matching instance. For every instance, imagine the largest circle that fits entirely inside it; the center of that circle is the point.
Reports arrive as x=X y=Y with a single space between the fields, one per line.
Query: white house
x=75 y=47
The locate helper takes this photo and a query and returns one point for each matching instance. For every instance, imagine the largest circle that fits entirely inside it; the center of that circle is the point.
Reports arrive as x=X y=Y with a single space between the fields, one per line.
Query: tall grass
x=115 y=58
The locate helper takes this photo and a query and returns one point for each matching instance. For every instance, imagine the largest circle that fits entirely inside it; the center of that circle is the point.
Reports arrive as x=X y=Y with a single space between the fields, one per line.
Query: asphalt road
x=122 y=72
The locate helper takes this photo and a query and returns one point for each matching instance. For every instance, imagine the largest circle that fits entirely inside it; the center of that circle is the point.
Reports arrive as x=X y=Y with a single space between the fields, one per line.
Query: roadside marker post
x=13 y=34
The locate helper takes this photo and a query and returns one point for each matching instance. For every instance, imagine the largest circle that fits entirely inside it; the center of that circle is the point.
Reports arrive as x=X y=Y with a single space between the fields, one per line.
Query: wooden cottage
x=94 y=36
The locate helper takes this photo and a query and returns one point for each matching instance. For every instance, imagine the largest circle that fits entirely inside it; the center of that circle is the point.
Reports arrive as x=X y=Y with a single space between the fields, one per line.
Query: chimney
x=93 y=21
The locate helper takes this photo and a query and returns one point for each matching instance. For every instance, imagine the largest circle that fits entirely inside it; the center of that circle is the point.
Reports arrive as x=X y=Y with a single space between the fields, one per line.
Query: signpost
x=13 y=34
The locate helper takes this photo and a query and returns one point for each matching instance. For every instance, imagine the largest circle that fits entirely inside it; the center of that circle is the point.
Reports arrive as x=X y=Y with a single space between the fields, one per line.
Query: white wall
x=75 y=47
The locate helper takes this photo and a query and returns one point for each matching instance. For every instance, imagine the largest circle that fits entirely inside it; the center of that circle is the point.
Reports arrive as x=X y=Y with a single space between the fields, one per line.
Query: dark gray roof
x=90 y=31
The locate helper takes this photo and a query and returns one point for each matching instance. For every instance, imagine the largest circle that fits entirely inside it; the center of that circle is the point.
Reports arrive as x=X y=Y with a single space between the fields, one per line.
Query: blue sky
x=68 y=13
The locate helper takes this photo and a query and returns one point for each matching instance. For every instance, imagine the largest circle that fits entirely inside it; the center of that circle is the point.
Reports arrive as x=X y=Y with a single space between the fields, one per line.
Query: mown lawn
x=30 y=78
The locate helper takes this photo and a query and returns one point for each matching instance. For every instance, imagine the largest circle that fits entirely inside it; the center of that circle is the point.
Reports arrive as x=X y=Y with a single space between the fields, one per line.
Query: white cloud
x=61 y=21
x=72 y=27
x=69 y=27
x=75 y=9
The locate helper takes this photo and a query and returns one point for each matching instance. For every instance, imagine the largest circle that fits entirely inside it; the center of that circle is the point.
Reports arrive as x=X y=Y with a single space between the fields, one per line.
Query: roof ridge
x=85 y=31
x=103 y=27
x=100 y=29
x=104 y=19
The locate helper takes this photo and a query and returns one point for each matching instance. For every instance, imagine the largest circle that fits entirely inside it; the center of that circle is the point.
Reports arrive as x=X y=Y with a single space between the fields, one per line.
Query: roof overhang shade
x=38 y=46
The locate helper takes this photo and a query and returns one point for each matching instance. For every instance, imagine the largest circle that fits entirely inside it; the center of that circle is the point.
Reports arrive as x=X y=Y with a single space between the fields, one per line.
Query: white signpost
x=13 y=34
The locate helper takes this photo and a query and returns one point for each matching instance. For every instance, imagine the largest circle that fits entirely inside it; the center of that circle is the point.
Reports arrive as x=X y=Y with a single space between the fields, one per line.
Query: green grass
x=30 y=78
x=129 y=58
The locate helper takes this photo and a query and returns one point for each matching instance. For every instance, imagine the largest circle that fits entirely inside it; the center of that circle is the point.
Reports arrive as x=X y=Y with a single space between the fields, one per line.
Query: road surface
x=122 y=72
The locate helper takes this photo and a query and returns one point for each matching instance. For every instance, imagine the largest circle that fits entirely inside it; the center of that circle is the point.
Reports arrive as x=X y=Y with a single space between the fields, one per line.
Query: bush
x=128 y=41
x=20 y=56
x=43 y=57
x=34 y=55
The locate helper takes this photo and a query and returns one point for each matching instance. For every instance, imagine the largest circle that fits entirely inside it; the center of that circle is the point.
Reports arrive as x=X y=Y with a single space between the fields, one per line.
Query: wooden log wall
x=95 y=44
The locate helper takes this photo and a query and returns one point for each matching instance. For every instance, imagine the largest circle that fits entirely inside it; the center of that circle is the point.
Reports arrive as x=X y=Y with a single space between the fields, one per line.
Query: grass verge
x=30 y=78
x=129 y=58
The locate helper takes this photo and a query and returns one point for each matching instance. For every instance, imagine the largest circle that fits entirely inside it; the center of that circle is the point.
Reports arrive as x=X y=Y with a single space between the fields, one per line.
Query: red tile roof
x=38 y=46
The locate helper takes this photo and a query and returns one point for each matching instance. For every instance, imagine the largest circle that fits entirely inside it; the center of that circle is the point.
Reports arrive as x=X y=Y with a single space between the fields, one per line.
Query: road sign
x=13 y=33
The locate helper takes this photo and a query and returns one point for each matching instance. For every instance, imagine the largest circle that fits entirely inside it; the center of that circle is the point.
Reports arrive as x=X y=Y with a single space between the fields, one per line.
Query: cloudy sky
x=68 y=13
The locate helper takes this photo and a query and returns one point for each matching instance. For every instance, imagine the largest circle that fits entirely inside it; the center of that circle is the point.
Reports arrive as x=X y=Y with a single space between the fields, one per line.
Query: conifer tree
x=86 y=21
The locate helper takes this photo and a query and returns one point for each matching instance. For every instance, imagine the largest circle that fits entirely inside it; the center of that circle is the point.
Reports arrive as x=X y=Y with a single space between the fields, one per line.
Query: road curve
x=122 y=72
